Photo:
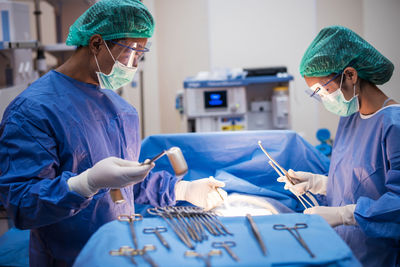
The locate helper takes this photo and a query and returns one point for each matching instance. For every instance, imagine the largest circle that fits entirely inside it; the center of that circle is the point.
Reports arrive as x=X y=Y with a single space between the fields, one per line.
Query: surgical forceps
x=131 y=253
x=186 y=224
x=217 y=222
x=157 y=231
x=195 y=220
x=131 y=219
x=206 y=258
x=257 y=234
x=168 y=218
x=293 y=231
x=189 y=223
x=282 y=172
x=227 y=245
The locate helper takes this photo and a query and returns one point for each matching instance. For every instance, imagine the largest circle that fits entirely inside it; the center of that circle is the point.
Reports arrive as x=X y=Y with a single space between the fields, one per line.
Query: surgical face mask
x=119 y=76
x=336 y=102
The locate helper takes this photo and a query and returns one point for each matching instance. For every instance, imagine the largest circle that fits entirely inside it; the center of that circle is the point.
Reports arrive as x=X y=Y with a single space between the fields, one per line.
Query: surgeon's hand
x=202 y=193
x=111 y=172
x=305 y=181
x=335 y=215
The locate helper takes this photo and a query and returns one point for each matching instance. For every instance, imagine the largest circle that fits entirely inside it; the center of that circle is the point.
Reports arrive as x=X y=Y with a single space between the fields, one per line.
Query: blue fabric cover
x=282 y=248
x=236 y=159
x=14 y=249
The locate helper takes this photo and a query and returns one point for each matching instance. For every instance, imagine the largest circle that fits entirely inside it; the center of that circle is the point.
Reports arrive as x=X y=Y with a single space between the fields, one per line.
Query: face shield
x=319 y=91
x=126 y=56
x=129 y=53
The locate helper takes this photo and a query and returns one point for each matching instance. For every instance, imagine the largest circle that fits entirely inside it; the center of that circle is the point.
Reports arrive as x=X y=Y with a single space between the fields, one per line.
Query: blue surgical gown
x=365 y=170
x=57 y=128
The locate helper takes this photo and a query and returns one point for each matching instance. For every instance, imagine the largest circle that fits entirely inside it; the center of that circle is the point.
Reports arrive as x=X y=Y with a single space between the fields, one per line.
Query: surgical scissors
x=206 y=258
x=131 y=252
x=131 y=219
x=293 y=231
x=157 y=231
x=282 y=172
x=227 y=245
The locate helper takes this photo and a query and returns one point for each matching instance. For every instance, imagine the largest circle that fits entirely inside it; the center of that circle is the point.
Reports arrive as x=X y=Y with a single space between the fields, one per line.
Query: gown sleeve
x=158 y=189
x=31 y=190
x=381 y=217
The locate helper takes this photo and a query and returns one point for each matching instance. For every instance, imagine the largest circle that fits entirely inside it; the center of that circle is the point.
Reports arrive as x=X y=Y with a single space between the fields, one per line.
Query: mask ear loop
x=97 y=63
x=354 y=92
x=341 y=81
x=109 y=51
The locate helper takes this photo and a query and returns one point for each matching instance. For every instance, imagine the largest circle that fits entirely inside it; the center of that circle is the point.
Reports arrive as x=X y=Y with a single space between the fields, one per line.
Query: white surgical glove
x=111 y=172
x=305 y=181
x=335 y=215
x=202 y=193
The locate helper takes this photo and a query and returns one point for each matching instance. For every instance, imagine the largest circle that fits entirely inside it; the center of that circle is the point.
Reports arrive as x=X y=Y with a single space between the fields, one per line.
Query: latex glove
x=305 y=181
x=202 y=193
x=111 y=172
x=335 y=215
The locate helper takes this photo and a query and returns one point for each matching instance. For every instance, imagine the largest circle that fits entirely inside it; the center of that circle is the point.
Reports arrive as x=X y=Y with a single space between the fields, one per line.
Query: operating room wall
x=236 y=33
x=381 y=28
x=182 y=35
x=150 y=83
x=262 y=33
x=201 y=35
x=338 y=12
x=257 y=33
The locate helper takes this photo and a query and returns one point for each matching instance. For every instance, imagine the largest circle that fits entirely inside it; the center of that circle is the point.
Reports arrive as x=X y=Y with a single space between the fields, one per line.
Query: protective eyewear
x=320 y=92
x=130 y=52
x=318 y=88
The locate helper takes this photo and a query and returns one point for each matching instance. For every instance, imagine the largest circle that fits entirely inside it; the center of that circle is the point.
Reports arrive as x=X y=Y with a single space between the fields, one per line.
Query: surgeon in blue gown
x=363 y=186
x=69 y=138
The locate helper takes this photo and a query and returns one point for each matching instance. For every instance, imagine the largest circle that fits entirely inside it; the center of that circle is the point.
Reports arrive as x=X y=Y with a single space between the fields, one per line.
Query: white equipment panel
x=203 y=102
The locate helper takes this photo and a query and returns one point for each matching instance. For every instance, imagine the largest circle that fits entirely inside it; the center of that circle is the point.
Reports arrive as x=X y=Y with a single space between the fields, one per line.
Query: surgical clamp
x=217 y=222
x=131 y=219
x=282 y=172
x=131 y=253
x=195 y=220
x=227 y=245
x=157 y=231
x=257 y=234
x=293 y=231
x=206 y=258
x=173 y=224
x=184 y=223
x=189 y=223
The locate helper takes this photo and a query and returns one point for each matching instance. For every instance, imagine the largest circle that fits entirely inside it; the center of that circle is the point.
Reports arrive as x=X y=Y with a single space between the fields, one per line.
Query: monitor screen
x=215 y=99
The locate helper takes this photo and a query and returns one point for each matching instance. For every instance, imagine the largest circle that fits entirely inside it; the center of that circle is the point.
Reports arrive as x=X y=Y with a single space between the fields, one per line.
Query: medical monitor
x=215 y=99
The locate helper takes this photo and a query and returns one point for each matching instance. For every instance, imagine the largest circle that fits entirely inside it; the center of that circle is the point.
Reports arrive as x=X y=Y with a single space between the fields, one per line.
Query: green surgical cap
x=336 y=48
x=112 y=19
